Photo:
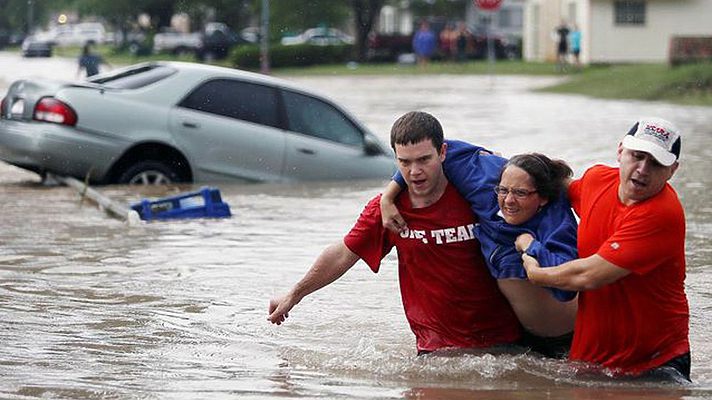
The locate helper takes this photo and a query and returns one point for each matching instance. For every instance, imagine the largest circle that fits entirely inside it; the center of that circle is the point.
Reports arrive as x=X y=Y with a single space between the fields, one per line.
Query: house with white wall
x=614 y=31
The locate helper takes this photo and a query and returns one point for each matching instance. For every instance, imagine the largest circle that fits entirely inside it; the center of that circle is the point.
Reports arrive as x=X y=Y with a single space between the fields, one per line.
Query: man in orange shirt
x=633 y=316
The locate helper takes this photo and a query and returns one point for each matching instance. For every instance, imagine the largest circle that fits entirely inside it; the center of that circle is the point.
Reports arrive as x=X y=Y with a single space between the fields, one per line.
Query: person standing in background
x=462 y=41
x=561 y=33
x=89 y=61
x=424 y=43
x=447 y=42
x=575 y=43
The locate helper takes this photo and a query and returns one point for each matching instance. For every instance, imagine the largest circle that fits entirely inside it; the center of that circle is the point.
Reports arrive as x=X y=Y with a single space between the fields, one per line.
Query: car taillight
x=2 y=107
x=49 y=109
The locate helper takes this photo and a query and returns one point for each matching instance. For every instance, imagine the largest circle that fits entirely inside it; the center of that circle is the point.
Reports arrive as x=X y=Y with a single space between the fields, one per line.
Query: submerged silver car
x=164 y=122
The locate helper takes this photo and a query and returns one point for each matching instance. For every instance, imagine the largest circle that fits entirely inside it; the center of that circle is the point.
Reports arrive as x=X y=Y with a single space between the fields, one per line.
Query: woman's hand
x=531 y=265
x=523 y=241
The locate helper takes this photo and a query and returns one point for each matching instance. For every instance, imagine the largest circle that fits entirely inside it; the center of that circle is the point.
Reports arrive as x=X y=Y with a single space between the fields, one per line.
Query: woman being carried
x=519 y=200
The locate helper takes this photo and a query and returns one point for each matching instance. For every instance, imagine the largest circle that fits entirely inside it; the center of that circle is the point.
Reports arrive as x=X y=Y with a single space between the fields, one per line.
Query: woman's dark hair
x=549 y=175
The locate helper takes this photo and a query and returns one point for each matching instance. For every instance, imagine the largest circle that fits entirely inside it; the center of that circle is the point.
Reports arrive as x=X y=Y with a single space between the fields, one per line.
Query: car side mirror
x=371 y=146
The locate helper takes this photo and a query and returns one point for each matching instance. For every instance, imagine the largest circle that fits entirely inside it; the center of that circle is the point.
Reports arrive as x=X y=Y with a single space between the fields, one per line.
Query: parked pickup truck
x=213 y=42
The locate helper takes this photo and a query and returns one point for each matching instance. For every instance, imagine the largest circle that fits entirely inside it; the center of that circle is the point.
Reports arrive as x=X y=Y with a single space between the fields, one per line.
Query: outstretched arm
x=581 y=274
x=331 y=264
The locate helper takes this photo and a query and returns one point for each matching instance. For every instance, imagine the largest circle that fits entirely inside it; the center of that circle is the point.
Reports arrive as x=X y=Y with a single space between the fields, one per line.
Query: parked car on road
x=213 y=42
x=251 y=34
x=36 y=46
x=319 y=37
x=164 y=122
x=173 y=41
x=504 y=47
x=78 y=34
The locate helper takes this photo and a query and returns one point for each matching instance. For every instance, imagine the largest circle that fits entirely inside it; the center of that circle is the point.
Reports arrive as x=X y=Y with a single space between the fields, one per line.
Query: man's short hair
x=414 y=127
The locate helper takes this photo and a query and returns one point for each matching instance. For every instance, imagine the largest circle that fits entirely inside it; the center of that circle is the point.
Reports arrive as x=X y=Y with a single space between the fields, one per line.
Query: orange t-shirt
x=642 y=320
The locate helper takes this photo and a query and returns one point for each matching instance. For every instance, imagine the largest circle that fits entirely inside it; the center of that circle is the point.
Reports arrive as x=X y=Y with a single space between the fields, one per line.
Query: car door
x=323 y=143
x=230 y=130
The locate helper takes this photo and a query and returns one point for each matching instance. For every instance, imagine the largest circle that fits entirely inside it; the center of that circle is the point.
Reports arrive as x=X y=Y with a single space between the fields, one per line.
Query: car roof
x=215 y=71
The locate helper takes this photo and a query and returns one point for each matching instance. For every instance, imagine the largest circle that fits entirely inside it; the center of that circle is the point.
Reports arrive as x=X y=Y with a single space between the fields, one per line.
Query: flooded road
x=93 y=308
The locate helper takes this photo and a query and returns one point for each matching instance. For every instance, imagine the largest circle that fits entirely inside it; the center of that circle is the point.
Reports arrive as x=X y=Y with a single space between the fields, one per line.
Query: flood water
x=93 y=308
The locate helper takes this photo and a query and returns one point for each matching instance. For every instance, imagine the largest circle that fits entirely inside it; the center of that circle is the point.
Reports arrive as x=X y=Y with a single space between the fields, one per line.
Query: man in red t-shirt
x=449 y=297
x=633 y=316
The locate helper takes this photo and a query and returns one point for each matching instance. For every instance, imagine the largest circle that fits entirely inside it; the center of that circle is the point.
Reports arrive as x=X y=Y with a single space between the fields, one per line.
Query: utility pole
x=30 y=16
x=264 y=39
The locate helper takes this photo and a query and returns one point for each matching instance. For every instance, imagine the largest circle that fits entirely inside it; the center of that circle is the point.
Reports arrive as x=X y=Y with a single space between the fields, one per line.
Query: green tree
x=294 y=16
x=450 y=9
x=234 y=13
x=365 y=13
x=160 y=11
x=118 y=12
x=15 y=15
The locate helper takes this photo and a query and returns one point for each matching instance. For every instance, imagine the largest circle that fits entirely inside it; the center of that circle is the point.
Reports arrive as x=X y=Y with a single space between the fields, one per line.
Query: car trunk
x=23 y=95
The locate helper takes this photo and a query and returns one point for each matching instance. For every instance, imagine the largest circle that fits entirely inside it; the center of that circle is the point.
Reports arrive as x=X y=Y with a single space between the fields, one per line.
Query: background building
x=614 y=31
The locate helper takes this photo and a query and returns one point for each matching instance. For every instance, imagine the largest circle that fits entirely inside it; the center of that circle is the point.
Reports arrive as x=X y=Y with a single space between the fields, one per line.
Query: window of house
x=629 y=12
x=510 y=18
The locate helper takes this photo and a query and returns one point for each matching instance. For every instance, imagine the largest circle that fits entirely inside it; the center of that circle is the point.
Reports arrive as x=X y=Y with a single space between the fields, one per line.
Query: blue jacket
x=554 y=227
x=424 y=43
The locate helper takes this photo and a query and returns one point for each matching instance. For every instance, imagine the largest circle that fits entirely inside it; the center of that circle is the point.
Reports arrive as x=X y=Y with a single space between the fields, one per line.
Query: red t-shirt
x=449 y=297
x=640 y=321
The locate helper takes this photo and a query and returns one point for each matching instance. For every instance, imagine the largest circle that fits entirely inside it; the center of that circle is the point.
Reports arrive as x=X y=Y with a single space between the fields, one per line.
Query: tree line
x=286 y=16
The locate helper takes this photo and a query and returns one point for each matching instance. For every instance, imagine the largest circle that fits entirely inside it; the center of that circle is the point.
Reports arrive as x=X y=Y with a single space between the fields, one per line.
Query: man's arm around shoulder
x=331 y=264
x=581 y=274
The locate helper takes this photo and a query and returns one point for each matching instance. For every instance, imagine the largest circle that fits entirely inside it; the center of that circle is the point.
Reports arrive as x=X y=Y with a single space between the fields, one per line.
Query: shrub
x=300 y=55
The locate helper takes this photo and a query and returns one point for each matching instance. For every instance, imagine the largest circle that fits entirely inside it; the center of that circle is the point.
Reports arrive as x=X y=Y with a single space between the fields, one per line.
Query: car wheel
x=149 y=173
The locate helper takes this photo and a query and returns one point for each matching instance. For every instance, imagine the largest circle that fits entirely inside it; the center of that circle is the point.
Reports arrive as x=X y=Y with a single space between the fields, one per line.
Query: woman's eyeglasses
x=517 y=193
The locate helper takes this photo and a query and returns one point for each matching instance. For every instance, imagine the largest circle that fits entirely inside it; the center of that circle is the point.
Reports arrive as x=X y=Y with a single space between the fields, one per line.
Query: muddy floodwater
x=93 y=308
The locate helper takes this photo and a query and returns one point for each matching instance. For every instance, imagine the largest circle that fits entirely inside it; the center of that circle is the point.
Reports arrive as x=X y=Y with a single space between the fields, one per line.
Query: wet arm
x=331 y=264
x=390 y=217
x=581 y=274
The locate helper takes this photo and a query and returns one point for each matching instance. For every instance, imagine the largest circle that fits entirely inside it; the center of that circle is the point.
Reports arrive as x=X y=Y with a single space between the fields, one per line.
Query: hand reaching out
x=279 y=308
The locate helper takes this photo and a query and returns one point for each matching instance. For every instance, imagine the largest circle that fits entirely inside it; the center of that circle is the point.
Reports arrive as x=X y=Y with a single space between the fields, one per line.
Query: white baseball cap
x=656 y=136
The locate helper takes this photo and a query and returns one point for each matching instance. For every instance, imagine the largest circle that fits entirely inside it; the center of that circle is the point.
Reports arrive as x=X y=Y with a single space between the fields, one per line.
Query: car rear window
x=135 y=78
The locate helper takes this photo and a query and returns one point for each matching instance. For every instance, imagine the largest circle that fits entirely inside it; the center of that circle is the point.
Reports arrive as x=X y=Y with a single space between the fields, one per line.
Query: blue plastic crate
x=203 y=203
